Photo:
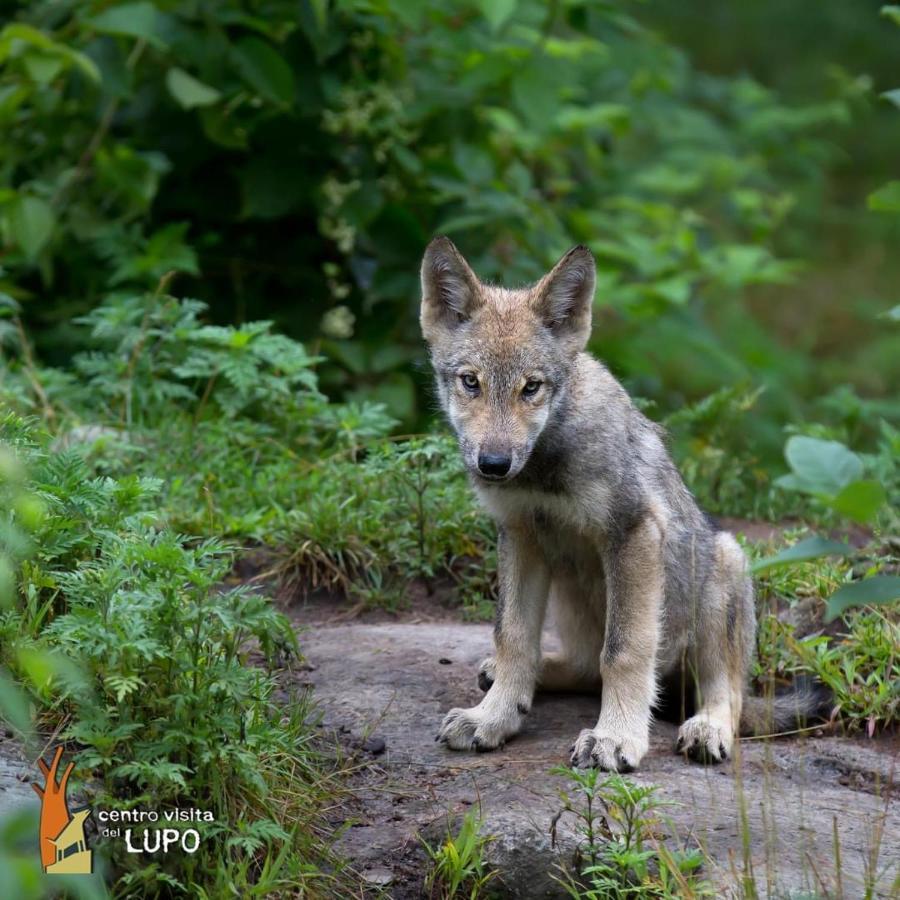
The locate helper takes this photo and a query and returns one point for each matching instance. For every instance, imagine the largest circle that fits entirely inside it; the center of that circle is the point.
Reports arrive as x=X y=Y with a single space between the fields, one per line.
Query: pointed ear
x=564 y=297
x=449 y=288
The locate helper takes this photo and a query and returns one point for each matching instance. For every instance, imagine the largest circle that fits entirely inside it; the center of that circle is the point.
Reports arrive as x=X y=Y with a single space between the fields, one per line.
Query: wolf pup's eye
x=532 y=386
x=469 y=381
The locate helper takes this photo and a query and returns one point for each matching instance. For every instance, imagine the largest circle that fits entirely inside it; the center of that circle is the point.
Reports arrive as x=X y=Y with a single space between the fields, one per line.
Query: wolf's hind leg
x=721 y=657
x=580 y=627
x=556 y=673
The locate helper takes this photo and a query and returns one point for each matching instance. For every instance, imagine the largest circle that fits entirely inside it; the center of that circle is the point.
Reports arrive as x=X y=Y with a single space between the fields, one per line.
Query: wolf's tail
x=807 y=701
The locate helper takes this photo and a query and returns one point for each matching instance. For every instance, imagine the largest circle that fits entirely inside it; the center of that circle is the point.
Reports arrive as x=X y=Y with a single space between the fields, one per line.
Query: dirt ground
x=383 y=682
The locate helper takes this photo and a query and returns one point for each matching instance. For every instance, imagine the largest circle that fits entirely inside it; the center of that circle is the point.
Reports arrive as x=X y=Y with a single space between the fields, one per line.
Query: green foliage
x=861 y=668
x=458 y=866
x=857 y=658
x=859 y=665
x=708 y=439
x=830 y=472
x=621 y=854
x=142 y=138
x=873 y=591
x=121 y=631
x=814 y=547
x=20 y=866
x=160 y=357
x=404 y=511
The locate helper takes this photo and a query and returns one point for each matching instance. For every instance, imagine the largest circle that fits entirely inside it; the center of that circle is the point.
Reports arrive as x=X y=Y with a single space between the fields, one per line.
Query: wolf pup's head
x=502 y=357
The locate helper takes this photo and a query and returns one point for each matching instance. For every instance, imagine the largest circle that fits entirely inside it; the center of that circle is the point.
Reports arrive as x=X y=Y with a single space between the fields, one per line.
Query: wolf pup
x=593 y=518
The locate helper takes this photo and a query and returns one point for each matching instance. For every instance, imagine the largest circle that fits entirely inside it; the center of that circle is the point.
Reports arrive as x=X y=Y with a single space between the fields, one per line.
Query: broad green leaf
x=823 y=467
x=873 y=591
x=497 y=11
x=264 y=69
x=893 y=97
x=31 y=221
x=189 y=91
x=891 y=12
x=886 y=198
x=138 y=20
x=42 y=67
x=860 y=500
x=26 y=34
x=814 y=547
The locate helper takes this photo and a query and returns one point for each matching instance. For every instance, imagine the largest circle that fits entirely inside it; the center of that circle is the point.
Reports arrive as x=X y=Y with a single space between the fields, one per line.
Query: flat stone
x=15 y=777
x=786 y=797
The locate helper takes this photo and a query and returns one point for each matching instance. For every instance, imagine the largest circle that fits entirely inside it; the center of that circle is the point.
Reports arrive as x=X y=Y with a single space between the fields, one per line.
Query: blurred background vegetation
x=290 y=160
x=211 y=220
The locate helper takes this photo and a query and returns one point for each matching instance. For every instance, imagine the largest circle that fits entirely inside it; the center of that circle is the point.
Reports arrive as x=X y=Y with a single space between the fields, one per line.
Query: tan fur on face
x=504 y=338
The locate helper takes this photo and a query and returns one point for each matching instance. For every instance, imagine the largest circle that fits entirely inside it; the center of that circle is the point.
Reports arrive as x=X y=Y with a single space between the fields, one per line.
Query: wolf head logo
x=502 y=357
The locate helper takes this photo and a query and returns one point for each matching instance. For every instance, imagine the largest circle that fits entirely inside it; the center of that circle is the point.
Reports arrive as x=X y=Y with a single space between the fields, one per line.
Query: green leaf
x=138 y=20
x=891 y=12
x=265 y=70
x=886 y=198
x=19 y=33
x=814 y=547
x=189 y=91
x=42 y=67
x=860 y=500
x=893 y=97
x=31 y=221
x=497 y=11
x=819 y=467
x=873 y=591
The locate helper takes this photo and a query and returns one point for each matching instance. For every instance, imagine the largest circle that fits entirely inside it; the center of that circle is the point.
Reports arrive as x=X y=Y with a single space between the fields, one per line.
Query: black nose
x=496 y=464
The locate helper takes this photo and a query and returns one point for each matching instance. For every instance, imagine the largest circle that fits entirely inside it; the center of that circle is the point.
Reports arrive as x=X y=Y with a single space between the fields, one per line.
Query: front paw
x=472 y=729
x=705 y=739
x=600 y=748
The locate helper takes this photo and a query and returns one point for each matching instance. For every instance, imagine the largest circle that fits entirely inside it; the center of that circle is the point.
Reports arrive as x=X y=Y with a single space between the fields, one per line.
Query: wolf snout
x=494 y=464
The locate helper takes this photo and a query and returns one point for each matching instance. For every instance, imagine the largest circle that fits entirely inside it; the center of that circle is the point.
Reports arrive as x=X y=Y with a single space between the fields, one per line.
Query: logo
x=63 y=845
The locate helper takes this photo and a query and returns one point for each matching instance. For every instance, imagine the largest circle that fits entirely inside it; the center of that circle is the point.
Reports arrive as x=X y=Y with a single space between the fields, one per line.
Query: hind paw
x=486 y=674
x=705 y=739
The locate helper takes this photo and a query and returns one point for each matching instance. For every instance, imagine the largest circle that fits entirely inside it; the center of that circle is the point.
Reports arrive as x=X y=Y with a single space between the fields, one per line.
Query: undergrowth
x=458 y=866
x=137 y=660
x=625 y=848
x=123 y=484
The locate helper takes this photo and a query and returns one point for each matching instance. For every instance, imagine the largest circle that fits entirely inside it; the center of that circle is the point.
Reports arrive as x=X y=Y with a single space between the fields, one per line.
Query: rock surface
x=392 y=682
x=15 y=775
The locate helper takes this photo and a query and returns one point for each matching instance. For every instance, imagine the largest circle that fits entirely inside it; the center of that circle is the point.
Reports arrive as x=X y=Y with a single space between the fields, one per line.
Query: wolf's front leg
x=633 y=566
x=524 y=585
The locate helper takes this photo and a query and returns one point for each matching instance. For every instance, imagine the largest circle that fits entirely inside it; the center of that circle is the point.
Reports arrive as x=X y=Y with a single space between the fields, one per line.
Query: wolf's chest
x=563 y=531
x=568 y=552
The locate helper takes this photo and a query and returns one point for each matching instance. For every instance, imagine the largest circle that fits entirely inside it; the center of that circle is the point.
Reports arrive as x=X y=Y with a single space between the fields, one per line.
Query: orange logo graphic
x=63 y=846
